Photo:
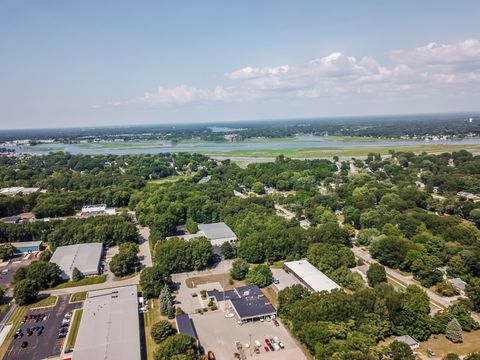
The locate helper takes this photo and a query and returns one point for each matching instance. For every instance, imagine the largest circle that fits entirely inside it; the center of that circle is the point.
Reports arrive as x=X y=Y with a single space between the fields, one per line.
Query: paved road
x=287 y=214
x=436 y=300
x=145 y=253
x=439 y=302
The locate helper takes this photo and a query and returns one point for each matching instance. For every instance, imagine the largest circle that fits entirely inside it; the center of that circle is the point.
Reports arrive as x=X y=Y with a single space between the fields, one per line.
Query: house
x=312 y=278
x=410 y=341
x=11 y=219
x=459 y=284
x=468 y=196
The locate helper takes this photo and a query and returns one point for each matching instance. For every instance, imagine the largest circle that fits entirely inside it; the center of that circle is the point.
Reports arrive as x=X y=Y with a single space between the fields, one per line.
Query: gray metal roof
x=109 y=329
x=311 y=276
x=407 y=339
x=216 y=231
x=458 y=283
x=84 y=257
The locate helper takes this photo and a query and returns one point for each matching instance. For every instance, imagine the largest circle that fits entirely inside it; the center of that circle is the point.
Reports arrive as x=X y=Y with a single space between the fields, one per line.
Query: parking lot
x=219 y=334
x=8 y=269
x=47 y=344
x=284 y=279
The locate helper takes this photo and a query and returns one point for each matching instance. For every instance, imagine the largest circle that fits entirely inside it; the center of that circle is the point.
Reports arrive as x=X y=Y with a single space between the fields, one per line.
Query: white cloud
x=421 y=71
x=184 y=94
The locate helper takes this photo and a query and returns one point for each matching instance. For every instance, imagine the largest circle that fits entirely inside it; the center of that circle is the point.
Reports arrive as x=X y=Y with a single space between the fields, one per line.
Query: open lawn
x=272 y=294
x=441 y=346
x=150 y=317
x=72 y=334
x=169 y=179
x=126 y=277
x=78 y=296
x=223 y=279
x=91 y=280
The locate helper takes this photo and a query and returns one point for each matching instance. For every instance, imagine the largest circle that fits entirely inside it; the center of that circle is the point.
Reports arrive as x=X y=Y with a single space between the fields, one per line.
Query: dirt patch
x=442 y=346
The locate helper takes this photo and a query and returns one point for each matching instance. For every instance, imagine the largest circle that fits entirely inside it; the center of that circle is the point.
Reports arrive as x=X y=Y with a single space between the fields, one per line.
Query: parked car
x=211 y=355
x=24 y=344
x=266 y=348
x=229 y=315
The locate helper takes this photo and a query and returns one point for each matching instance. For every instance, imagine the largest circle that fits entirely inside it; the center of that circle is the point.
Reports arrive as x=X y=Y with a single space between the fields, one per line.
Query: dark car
x=61 y=335
x=39 y=333
x=24 y=344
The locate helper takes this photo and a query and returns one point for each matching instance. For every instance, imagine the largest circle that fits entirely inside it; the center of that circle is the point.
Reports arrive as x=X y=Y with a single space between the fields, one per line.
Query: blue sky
x=66 y=63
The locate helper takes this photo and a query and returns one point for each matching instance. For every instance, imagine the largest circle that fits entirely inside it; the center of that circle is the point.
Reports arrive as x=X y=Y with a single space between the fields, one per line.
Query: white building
x=217 y=233
x=100 y=209
x=18 y=190
x=310 y=276
x=110 y=327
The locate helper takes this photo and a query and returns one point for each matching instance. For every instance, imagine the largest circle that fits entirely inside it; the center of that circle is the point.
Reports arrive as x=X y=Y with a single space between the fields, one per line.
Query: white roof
x=94 y=208
x=109 y=329
x=216 y=231
x=313 y=277
x=26 y=244
x=84 y=257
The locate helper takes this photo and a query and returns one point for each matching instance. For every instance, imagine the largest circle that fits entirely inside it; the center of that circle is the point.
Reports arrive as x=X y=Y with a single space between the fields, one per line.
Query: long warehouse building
x=110 y=327
x=310 y=276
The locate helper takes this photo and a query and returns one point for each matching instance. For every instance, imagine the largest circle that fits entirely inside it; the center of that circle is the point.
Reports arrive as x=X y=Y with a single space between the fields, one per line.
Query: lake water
x=155 y=147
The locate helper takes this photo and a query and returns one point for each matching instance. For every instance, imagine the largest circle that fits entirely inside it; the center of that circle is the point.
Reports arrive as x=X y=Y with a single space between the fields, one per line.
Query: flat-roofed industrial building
x=84 y=257
x=26 y=247
x=310 y=276
x=110 y=328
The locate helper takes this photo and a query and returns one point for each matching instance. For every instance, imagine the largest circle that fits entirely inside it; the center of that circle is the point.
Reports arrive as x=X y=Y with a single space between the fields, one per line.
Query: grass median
x=72 y=334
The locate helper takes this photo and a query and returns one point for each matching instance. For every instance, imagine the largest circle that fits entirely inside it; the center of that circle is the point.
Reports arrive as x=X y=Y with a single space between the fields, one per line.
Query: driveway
x=285 y=279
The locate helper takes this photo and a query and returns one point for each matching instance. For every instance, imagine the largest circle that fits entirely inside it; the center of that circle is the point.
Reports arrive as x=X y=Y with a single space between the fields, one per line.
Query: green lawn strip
x=168 y=179
x=92 y=280
x=72 y=334
x=126 y=277
x=78 y=296
x=17 y=317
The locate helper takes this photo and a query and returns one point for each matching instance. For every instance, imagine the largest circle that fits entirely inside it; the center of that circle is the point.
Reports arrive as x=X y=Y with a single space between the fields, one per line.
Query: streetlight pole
x=250 y=337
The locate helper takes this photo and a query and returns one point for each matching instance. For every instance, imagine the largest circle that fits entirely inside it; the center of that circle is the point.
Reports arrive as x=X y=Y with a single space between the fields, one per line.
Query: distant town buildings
x=468 y=196
x=99 y=209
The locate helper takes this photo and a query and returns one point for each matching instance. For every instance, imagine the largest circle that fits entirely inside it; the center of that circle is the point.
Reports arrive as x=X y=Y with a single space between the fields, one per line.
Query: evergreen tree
x=454 y=331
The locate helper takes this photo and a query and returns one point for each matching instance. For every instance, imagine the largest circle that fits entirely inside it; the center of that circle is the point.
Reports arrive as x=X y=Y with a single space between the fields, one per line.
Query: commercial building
x=84 y=257
x=19 y=190
x=100 y=209
x=217 y=233
x=248 y=302
x=110 y=328
x=185 y=326
x=310 y=276
x=26 y=247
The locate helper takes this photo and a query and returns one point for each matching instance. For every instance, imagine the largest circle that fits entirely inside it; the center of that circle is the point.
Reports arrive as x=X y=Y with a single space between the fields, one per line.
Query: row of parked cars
x=63 y=331
x=272 y=344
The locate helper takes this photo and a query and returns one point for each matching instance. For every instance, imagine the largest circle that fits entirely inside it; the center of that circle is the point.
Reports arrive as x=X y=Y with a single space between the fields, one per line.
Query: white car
x=229 y=315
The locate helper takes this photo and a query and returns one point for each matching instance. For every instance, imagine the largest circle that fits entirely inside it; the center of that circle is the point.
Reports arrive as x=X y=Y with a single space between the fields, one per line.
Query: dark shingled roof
x=252 y=303
x=218 y=295
x=185 y=325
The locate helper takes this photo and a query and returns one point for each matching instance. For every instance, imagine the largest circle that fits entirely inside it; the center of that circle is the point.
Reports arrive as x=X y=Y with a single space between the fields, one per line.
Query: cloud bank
x=422 y=71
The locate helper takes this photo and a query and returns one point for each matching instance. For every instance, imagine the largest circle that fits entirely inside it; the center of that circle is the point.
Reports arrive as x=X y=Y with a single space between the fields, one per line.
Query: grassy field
x=17 y=317
x=272 y=294
x=72 y=333
x=150 y=317
x=126 y=277
x=442 y=346
x=169 y=179
x=223 y=279
x=91 y=280
x=78 y=296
